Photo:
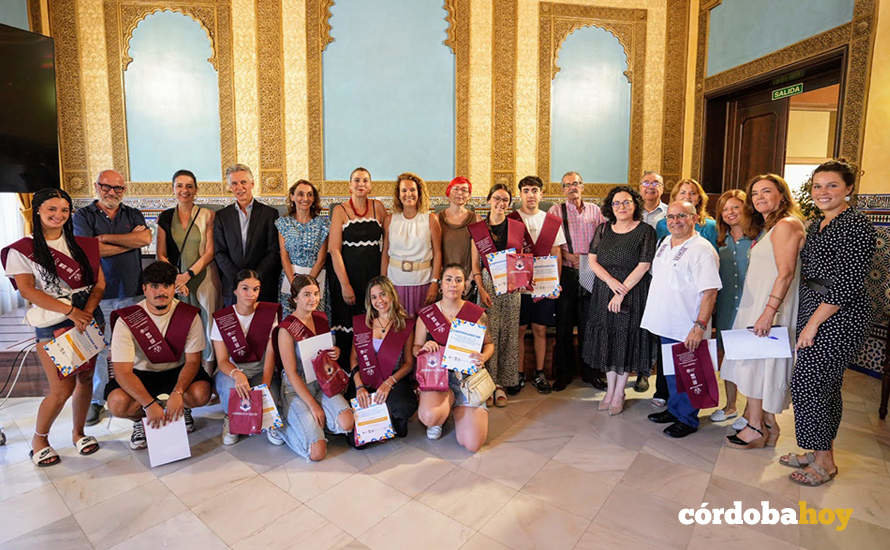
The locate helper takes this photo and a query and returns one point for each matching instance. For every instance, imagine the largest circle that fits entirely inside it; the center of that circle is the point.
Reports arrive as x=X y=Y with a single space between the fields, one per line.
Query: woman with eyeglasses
x=620 y=254
x=690 y=190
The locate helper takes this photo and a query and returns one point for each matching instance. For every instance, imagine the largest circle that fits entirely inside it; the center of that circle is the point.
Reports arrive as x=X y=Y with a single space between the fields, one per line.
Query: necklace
x=354 y=209
x=383 y=329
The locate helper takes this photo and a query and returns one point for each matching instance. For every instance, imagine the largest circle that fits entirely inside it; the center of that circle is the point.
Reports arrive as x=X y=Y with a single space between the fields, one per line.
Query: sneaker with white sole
x=137 y=439
x=740 y=423
x=720 y=415
x=189 y=421
x=434 y=432
x=658 y=402
x=228 y=438
x=274 y=437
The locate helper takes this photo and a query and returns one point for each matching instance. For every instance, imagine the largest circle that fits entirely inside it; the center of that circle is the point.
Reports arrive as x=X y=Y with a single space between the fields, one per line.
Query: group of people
x=233 y=292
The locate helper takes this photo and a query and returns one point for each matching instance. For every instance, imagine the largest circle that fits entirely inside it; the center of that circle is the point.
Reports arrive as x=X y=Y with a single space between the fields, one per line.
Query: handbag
x=430 y=374
x=331 y=378
x=245 y=415
x=477 y=388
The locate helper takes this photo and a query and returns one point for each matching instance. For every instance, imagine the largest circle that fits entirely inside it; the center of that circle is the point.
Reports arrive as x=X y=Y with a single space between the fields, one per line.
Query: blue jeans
x=678 y=403
x=300 y=428
x=100 y=374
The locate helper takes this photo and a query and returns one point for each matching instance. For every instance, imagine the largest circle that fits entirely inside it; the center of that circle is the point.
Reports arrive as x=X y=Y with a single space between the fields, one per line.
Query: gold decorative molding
x=460 y=14
x=556 y=22
x=72 y=136
x=270 y=82
x=122 y=17
x=857 y=37
x=503 y=97
x=318 y=36
x=34 y=16
x=675 y=45
x=450 y=41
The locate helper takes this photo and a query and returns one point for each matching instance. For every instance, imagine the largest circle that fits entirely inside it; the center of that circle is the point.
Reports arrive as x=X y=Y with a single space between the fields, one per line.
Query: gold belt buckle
x=407 y=265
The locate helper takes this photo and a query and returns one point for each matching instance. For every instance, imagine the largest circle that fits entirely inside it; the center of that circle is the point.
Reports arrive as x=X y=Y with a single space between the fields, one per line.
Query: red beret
x=457 y=181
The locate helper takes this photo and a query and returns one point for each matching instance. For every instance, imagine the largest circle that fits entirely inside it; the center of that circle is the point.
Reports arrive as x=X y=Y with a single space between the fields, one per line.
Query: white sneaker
x=434 y=432
x=740 y=423
x=274 y=437
x=228 y=438
x=658 y=402
x=720 y=415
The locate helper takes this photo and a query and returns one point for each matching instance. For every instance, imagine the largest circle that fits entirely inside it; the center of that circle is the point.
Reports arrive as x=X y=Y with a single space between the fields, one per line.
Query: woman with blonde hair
x=690 y=190
x=734 y=238
x=412 y=244
x=769 y=299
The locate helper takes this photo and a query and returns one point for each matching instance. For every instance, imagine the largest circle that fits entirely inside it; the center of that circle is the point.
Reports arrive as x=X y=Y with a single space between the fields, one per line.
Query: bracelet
x=70 y=310
x=774 y=308
x=177 y=391
x=393 y=383
x=233 y=371
x=190 y=272
x=700 y=325
x=776 y=297
x=361 y=387
x=150 y=403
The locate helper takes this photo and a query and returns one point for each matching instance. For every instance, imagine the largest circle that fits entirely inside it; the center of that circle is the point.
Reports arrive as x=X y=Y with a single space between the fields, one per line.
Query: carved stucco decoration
x=122 y=17
x=856 y=36
x=318 y=36
x=674 y=91
x=556 y=22
x=270 y=82
x=503 y=85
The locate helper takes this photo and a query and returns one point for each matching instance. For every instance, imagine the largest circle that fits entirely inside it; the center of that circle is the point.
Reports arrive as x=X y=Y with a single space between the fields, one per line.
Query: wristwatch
x=190 y=272
x=700 y=325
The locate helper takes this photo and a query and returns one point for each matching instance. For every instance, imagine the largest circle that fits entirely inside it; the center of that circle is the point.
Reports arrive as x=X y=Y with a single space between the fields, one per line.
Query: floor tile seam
x=276 y=517
x=109 y=497
x=557 y=507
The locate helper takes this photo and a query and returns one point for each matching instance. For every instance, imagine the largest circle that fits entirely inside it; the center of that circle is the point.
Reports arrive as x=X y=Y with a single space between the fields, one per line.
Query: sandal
x=87 y=445
x=500 y=397
x=46 y=456
x=793 y=461
x=810 y=479
x=737 y=442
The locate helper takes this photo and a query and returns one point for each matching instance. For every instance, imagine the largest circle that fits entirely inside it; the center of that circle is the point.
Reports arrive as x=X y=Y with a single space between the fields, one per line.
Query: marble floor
x=555 y=473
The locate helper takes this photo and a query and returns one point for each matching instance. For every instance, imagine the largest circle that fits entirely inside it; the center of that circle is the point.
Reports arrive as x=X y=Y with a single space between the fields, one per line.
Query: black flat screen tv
x=29 y=143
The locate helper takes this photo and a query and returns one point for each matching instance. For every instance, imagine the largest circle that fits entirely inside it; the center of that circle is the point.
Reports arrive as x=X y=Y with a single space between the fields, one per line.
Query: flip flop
x=86 y=445
x=795 y=462
x=43 y=455
x=810 y=479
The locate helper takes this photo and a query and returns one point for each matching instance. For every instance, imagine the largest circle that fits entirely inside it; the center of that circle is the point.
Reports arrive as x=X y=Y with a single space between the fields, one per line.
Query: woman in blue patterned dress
x=303 y=241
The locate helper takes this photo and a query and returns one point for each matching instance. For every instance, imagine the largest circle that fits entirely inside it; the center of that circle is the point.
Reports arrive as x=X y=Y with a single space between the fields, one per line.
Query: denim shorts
x=454 y=380
x=300 y=428
x=45 y=334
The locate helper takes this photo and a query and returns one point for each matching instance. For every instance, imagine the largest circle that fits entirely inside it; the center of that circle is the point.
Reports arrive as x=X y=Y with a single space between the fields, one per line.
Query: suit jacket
x=262 y=249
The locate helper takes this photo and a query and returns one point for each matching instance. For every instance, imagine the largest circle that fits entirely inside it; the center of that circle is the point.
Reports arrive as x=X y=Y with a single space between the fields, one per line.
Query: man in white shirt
x=156 y=348
x=544 y=237
x=682 y=294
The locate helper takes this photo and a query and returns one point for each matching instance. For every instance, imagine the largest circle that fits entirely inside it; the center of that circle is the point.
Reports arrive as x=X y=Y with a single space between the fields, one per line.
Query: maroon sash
x=485 y=244
x=158 y=349
x=66 y=267
x=549 y=230
x=378 y=366
x=439 y=327
x=250 y=348
x=299 y=331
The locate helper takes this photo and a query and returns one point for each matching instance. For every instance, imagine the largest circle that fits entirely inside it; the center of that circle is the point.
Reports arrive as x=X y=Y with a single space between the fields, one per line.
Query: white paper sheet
x=168 y=443
x=465 y=338
x=309 y=348
x=667 y=357
x=73 y=348
x=740 y=344
x=546 y=277
x=271 y=418
x=497 y=268
x=298 y=269
x=372 y=423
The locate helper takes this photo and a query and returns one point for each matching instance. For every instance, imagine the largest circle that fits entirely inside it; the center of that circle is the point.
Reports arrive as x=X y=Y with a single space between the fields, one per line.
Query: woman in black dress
x=831 y=321
x=354 y=246
x=621 y=252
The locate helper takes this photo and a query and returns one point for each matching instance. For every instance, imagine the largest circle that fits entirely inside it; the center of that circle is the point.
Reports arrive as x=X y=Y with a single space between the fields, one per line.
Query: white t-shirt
x=124 y=348
x=680 y=275
x=534 y=223
x=244 y=320
x=19 y=264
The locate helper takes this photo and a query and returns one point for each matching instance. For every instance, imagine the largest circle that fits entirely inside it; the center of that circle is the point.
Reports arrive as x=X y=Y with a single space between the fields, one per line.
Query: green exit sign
x=788 y=91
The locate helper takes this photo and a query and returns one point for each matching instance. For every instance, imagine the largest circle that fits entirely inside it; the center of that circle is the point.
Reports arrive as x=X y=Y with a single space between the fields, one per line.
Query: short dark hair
x=530 y=181
x=846 y=169
x=606 y=209
x=161 y=273
x=246 y=274
x=184 y=172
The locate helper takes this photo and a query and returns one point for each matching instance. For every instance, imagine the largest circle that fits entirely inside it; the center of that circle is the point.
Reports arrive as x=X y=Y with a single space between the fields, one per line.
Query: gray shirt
x=244 y=220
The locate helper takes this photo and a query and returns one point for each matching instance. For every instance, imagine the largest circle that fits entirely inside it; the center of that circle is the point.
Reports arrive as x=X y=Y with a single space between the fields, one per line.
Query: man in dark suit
x=244 y=237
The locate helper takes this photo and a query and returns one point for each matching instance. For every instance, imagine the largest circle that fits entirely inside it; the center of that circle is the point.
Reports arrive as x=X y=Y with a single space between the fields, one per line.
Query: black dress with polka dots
x=834 y=261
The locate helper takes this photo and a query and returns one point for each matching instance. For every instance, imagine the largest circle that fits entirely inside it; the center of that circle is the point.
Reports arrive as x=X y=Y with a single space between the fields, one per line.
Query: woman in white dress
x=766 y=302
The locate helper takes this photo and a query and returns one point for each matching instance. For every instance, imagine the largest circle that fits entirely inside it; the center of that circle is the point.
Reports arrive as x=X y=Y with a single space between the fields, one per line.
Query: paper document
x=667 y=355
x=271 y=418
x=465 y=338
x=372 y=423
x=73 y=348
x=546 y=277
x=309 y=348
x=168 y=443
x=744 y=344
x=497 y=268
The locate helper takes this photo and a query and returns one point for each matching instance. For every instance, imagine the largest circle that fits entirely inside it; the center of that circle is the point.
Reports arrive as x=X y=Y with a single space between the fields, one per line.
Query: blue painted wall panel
x=172 y=100
x=389 y=90
x=14 y=13
x=743 y=30
x=590 y=109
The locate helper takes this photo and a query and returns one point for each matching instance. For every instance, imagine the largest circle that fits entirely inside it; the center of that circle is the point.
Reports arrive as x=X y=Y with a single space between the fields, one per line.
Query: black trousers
x=661 y=387
x=571 y=312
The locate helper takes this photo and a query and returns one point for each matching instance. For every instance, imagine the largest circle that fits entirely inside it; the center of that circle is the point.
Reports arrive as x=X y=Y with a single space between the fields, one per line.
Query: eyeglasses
x=500 y=199
x=572 y=184
x=649 y=183
x=108 y=188
x=624 y=203
x=677 y=216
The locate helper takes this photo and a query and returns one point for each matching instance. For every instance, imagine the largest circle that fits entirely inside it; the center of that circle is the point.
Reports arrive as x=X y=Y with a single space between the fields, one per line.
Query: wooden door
x=755 y=144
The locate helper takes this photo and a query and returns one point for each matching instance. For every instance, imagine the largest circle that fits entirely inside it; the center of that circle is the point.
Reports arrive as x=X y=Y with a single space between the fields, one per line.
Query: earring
x=847 y=198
